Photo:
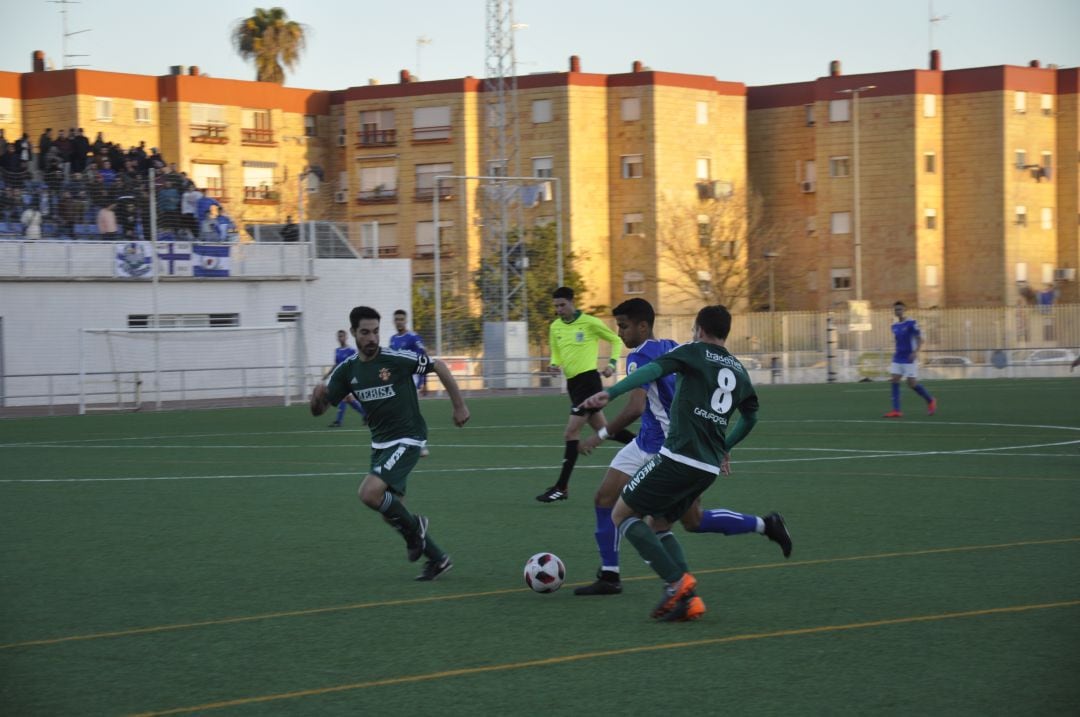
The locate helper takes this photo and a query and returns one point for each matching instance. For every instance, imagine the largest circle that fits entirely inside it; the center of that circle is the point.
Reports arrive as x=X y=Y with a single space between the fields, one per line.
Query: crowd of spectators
x=71 y=188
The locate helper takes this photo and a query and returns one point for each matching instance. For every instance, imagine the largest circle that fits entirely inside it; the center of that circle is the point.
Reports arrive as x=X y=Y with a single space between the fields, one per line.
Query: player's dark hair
x=359 y=313
x=636 y=310
x=400 y=312
x=899 y=303
x=715 y=321
x=563 y=292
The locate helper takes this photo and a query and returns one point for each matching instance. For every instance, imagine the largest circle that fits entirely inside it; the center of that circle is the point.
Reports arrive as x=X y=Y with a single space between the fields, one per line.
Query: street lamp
x=854 y=92
x=769 y=255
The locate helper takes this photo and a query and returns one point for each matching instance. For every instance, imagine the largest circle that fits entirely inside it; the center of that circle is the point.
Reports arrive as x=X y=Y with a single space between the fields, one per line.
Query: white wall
x=42 y=318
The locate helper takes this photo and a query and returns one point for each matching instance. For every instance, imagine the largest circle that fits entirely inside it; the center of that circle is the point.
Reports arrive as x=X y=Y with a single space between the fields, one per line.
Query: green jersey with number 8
x=711 y=385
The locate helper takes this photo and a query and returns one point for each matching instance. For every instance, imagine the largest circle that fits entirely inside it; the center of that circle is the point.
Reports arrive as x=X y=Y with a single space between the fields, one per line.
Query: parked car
x=951 y=361
x=1043 y=357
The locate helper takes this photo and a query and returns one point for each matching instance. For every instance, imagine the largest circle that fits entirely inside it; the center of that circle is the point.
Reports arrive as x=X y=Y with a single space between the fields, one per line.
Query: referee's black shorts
x=581 y=387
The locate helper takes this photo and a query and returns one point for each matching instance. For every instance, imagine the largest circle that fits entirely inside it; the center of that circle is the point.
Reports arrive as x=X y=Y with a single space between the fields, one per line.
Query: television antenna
x=933 y=20
x=66 y=34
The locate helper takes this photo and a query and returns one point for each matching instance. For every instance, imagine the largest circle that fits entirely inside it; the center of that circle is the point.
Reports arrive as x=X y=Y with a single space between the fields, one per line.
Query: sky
x=757 y=42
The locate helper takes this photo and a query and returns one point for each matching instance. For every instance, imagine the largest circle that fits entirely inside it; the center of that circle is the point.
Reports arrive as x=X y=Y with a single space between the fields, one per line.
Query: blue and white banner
x=134 y=260
x=210 y=260
x=174 y=257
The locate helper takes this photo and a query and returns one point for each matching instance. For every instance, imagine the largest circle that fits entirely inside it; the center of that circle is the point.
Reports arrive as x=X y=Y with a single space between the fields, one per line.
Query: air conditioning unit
x=547 y=191
x=809 y=186
x=341 y=196
x=341 y=140
x=1064 y=274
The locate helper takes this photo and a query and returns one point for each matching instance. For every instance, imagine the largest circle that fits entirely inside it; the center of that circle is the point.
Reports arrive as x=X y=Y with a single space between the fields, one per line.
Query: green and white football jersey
x=384 y=386
x=711 y=384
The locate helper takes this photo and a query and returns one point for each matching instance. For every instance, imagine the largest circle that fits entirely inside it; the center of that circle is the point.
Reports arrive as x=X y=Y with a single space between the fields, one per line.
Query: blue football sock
x=340 y=412
x=728 y=522
x=607 y=540
x=896 y=396
x=357 y=407
x=919 y=389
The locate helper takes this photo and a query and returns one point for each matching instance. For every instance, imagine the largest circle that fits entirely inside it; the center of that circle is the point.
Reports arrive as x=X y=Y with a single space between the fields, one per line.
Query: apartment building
x=952 y=197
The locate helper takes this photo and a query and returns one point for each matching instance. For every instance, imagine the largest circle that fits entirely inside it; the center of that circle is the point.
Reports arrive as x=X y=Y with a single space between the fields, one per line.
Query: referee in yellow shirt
x=575 y=339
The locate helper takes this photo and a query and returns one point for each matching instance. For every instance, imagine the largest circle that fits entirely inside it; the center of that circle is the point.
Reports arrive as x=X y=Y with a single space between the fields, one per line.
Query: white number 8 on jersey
x=722 y=398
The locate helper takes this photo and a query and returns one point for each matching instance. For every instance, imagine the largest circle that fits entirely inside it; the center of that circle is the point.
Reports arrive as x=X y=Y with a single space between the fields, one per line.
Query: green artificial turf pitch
x=219 y=562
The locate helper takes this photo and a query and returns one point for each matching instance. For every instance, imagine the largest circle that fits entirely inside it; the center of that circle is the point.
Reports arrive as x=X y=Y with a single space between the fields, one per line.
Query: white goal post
x=127 y=369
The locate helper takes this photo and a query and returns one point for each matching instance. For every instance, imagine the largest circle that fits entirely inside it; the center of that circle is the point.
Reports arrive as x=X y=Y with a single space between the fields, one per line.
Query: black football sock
x=624 y=436
x=568 y=461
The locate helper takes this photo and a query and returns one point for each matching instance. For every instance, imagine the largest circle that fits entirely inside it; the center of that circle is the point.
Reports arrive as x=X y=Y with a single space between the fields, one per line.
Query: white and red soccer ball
x=544 y=572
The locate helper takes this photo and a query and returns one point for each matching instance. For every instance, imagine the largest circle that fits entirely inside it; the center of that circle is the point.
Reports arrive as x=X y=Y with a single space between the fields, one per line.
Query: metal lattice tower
x=503 y=244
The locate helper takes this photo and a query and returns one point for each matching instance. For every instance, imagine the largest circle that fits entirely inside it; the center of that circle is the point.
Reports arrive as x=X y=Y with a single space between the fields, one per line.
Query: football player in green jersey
x=382 y=380
x=711 y=385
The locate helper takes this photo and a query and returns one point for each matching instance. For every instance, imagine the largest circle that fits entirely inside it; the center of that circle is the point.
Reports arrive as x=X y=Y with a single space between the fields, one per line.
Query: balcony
x=385 y=252
x=257 y=137
x=378 y=195
x=376 y=138
x=261 y=195
x=209 y=133
x=430 y=135
x=427 y=194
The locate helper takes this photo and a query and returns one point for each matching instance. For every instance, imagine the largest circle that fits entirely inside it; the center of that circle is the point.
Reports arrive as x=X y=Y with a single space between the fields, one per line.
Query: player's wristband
x=602 y=434
x=613 y=363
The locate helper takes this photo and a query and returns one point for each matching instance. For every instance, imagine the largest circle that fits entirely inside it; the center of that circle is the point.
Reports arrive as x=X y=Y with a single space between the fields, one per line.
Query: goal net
x=129 y=369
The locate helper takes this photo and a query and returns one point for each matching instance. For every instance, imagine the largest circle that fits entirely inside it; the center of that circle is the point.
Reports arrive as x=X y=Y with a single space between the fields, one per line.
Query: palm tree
x=271 y=39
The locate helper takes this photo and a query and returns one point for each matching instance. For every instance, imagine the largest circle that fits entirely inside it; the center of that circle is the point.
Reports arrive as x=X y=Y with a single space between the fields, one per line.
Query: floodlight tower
x=503 y=246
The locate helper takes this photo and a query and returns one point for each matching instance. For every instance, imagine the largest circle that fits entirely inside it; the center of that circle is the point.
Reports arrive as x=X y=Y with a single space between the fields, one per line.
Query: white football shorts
x=630 y=458
x=905 y=370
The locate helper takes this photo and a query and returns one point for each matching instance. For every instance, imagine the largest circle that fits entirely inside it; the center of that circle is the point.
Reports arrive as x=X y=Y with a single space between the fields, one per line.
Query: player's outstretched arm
x=597 y=400
x=632 y=411
x=319 y=401
x=461 y=411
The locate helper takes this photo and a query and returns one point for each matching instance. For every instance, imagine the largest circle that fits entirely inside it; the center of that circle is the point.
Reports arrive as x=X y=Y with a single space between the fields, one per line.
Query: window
x=1021 y=158
x=931 y=275
x=929 y=106
x=255 y=127
x=841 y=279
x=103 y=109
x=704 y=230
x=839 y=167
x=142 y=112
x=310 y=127
x=6 y=109
x=631 y=109
x=496 y=115
x=1046 y=104
x=840 y=223
x=1046 y=218
x=543 y=167
x=1020 y=102
x=208 y=115
x=633 y=282
x=1048 y=273
x=702 y=112
x=839 y=110
x=541 y=111
x=809 y=114
x=1021 y=271
x=425 y=238
x=186 y=321
x=930 y=218
x=633 y=224
x=811 y=224
x=704 y=282
x=378 y=184
x=703 y=169
x=259 y=181
x=377 y=128
x=378 y=239
x=497 y=168
x=632 y=166
x=208 y=178
x=425 y=180
x=1021 y=215
x=431 y=124
x=809 y=171
x=930 y=162
x=1047 y=164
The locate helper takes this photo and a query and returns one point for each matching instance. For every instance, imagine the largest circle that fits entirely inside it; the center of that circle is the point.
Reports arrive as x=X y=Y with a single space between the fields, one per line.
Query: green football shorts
x=665 y=488
x=393 y=464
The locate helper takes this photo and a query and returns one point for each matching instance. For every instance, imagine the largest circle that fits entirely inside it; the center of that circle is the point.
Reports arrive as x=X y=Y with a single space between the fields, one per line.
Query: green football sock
x=649 y=547
x=398 y=515
x=674 y=549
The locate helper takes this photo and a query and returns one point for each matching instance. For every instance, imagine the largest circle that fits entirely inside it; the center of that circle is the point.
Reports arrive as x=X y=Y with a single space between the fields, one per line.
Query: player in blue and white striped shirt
x=652 y=403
